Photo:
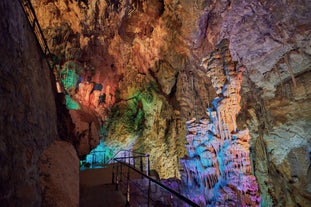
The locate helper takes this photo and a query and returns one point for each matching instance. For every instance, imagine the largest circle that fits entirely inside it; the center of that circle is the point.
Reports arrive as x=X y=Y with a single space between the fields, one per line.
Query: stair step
x=97 y=176
x=96 y=188
x=101 y=195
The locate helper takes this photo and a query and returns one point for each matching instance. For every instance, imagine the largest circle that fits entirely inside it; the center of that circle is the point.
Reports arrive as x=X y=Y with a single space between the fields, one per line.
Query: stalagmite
x=227 y=162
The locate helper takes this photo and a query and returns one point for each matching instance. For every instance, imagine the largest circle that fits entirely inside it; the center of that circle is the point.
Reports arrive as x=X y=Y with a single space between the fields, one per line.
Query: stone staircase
x=101 y=195
x=96 y=188
x=121 y=184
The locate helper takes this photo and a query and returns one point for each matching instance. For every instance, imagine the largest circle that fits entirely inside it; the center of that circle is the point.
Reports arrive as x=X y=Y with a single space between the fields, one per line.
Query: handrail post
x=148 y=193
x=128 y=188
x=148 y=165
x=93 y=158
x=104 y=162
x=141 y=165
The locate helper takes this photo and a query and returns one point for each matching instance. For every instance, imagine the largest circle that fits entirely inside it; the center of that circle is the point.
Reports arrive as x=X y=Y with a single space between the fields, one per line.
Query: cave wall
x=117 y=44
x=29 y=121
x=152 y=59
x=282 y=148
x=59 y=175
x=28 y=112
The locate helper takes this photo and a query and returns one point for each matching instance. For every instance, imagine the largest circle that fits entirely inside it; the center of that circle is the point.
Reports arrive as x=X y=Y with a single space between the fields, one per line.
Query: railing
x=33 y=21
x=99 y=158
x=126 y=153
x=175 y=198
x=127 y=156
x=31 y=15
x=94 y=155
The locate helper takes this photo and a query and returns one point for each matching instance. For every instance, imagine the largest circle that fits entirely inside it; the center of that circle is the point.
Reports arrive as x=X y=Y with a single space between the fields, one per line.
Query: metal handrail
x=124 y=150
x=104 y=159
x=34 y=24
x=93 y=153
x=33 y=21
x=133 y=152
x=150 y=179
x=141 y=162
x=133 y=157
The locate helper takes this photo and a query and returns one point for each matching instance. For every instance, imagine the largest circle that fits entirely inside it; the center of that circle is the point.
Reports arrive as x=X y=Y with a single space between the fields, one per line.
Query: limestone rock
x=165 y=75
x=286 y=147
x=217 y=169
x=169 y=45
x=28 y=121
x=59 y=175
x=86 y=131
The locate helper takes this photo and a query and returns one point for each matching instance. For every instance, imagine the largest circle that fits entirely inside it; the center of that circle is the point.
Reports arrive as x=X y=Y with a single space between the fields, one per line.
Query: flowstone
x=217 y=170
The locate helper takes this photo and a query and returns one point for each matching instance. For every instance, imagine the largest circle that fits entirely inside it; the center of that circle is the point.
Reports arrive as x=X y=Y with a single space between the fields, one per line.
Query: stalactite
x=279 y=75
x=290 y=70
x=224 y=156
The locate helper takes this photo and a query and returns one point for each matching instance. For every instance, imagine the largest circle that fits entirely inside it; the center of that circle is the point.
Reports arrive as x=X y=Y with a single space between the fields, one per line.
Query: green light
x=71 y=104
x=102 y=153
x=69 y=76
x=130 y=116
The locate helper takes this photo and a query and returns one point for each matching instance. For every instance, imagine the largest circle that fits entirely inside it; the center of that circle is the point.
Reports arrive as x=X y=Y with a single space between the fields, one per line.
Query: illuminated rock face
x=147 y=57
x=126 y=57
x=217 y=170
x=157 y=47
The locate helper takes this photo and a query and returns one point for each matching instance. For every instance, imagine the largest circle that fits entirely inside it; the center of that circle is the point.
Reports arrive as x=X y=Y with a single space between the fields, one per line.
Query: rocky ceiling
x=137 y=70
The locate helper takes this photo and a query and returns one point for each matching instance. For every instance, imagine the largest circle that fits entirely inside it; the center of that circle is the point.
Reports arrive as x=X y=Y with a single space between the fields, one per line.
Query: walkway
x=96 y=189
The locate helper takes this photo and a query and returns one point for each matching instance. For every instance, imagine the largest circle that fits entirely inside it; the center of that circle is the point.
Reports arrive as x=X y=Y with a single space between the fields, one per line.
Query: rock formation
x=137 y=70
x=59 y=175
x=133 y=105
x=217 y=170
x=30 y=113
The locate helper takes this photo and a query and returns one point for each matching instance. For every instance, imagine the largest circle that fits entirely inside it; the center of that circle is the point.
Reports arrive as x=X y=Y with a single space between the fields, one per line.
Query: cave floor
x=101 y=196
x=97 y=190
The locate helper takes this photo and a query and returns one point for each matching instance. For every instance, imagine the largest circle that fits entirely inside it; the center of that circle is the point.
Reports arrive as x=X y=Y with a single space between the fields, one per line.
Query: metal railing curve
x=116 y=176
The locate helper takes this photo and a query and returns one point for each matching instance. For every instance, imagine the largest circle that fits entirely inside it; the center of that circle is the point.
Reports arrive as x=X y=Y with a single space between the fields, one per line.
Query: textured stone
x=28 y=121
x=132 y=44
x=59 y=175
x=86 y=131
x=217 y=169
x=286 y=146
